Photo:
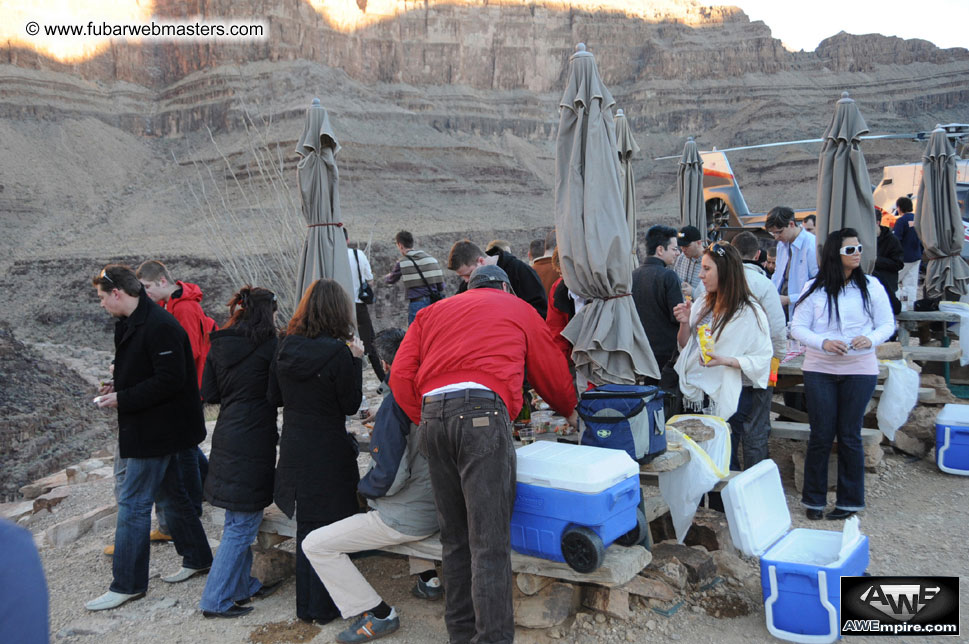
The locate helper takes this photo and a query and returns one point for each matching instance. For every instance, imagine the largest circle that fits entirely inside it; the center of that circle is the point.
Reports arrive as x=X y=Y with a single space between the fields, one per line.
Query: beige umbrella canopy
x=937 y=219
x=628 y=148
x=609 y=343
x=325 y=249
x=689 y=185
x=844 y=189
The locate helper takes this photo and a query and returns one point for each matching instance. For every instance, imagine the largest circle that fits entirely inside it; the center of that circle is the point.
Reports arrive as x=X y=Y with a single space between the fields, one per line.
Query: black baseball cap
x=688 y=235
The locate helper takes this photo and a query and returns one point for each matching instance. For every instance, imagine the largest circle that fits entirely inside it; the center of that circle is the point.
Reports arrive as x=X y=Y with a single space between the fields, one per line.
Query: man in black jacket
x=465 y=256
x=656 y=290
x=160 y=423
x=888 y=263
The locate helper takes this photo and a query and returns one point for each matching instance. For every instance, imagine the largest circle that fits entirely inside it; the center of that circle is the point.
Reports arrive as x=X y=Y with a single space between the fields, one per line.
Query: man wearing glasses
x=797 y=255
x=160 y=425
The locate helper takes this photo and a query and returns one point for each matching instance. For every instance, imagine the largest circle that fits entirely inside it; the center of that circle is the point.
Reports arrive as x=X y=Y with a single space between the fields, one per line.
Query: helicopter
x=727 y=212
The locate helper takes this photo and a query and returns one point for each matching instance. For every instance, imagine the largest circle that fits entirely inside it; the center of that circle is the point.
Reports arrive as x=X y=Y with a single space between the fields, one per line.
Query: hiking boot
x=367 y=627
x=158 y=535
x=429 y=590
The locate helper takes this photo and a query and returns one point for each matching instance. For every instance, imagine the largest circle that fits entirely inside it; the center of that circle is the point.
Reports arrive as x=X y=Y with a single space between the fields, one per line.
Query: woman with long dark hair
x=841 y=316
x=738 y=328
x=243 y=457
x=316 y=377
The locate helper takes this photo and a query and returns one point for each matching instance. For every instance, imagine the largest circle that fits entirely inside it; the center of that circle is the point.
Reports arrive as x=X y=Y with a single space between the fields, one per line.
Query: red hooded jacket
x=486 y=336
x=187 y=309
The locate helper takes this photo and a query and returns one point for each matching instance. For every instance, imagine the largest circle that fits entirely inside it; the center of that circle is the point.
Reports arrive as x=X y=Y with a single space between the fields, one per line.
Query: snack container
x=573 y=502
x=800 y=570
x=705 y=337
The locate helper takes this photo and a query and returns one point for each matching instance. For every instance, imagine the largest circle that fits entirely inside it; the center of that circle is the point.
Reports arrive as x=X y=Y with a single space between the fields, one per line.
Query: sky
x=803 y=25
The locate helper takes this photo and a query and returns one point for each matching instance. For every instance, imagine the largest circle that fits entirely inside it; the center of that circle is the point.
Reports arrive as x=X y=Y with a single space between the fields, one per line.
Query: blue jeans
x=836 y=407
x=750 y=428
x=144 y=479
x=416 y=305
x=229 y=580
x=193 y=485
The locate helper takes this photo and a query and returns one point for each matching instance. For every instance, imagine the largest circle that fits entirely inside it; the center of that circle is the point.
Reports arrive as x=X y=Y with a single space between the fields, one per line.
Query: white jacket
x=745 y=338
x=811 y=324
x=769 y=299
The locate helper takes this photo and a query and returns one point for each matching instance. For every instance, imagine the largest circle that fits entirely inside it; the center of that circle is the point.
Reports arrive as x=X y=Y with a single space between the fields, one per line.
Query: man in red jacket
x=459 y=371
x=184 y=301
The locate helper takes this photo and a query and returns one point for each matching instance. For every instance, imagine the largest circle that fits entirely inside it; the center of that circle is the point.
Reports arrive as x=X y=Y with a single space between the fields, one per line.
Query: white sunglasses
x=851 y=250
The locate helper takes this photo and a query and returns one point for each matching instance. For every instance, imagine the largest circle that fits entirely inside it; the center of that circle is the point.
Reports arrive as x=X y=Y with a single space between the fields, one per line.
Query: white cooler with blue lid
x=800 y=570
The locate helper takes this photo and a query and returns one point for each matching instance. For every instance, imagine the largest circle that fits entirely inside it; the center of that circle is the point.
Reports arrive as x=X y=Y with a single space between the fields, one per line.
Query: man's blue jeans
x=836 y=407
x=229 y=580
x=144 y=480
x=416 y=305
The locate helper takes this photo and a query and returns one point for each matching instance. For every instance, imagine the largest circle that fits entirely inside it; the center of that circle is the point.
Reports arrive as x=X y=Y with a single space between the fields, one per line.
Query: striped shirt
x=406 y=270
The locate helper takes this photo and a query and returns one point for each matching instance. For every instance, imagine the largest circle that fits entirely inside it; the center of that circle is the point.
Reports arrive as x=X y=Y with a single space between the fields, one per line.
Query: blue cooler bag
x=626 y=417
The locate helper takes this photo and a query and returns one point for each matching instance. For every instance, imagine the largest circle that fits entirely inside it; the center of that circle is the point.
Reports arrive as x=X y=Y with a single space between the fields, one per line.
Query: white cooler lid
x=576 y=468
x=953 y=414
x=756 y=508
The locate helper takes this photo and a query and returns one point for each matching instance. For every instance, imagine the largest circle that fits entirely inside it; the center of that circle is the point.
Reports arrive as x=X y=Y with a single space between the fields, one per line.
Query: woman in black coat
x=317 y=378
x=243 y=457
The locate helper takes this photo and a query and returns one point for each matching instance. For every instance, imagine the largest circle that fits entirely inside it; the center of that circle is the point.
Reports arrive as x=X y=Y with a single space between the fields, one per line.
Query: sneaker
x=367 y=627
x=158 y=535
x=429 y=590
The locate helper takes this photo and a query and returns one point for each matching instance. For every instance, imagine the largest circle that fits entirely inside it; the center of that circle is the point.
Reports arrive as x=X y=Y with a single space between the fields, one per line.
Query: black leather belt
x=469 y=393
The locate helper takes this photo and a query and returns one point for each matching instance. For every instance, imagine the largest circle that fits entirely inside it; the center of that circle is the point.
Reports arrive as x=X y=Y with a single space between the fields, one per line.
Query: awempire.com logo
x=899 y=605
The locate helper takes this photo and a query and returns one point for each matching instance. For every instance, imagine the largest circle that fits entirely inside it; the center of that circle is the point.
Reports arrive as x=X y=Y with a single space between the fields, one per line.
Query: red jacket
x=187 y=309
x=558 y=320
x=486 y=336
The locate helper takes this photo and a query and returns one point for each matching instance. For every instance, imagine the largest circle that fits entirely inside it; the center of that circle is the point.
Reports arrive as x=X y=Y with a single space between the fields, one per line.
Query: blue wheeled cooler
x=573 y=502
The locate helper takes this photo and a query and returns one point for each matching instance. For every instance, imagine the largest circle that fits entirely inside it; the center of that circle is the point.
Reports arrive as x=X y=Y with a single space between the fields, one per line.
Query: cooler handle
x=833 y=629
x=940 y=456
x=617 y=496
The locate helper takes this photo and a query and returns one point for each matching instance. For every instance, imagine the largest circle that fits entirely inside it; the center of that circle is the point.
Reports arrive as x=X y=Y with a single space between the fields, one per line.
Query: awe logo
x=900 y=601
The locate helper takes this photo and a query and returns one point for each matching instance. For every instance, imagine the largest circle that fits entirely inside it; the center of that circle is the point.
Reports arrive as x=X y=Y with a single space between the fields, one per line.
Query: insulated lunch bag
x=627 y=417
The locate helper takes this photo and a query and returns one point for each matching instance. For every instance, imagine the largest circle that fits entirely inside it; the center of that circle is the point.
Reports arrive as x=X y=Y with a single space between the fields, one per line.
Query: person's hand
x=860 y=342
x=356 y=347
x=785 y=300
x=573 y=419
x=682 y=312
x=687 y=289
x=836 y=347
x=106 y=387
x=109 y=400
x=720 y=361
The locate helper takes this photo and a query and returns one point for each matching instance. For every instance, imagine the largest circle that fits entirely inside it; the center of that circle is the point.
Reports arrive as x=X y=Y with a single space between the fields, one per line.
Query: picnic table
x=910 y=321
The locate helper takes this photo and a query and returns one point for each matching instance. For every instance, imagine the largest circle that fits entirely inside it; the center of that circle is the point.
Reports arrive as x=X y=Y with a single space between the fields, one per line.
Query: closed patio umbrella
x=628 y=148
x=609 y=343
x=689 y=185
x=325 y=249
x=844 y=189
x=937 y=219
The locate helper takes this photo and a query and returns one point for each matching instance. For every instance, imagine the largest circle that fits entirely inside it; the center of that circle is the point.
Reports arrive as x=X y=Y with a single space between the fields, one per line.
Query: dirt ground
x=915 y=520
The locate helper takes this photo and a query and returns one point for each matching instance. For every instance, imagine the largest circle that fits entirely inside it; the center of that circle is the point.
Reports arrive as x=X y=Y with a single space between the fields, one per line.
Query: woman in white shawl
x=742 y=347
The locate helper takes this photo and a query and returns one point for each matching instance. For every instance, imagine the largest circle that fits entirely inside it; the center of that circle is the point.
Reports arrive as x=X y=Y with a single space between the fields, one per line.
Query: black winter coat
x=159 y=410
x=888 y=263
x=524 y=281
x=318 y=382
x=243 y=458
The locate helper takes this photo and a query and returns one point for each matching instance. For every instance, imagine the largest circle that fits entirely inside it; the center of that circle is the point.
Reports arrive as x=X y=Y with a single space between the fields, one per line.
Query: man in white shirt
x=797 y=254
x=360 y=270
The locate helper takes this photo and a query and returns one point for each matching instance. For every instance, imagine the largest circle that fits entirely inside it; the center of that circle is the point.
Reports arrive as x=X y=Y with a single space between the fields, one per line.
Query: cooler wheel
x=635 y=535
x=582 y=549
